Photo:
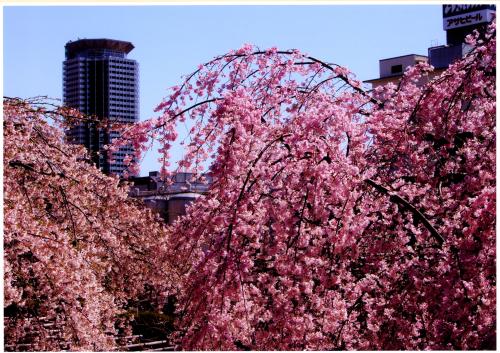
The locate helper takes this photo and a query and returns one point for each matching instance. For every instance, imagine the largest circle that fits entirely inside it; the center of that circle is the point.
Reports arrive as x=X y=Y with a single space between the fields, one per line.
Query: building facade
x=170 y=199
x=99 y=80
x=392 y=69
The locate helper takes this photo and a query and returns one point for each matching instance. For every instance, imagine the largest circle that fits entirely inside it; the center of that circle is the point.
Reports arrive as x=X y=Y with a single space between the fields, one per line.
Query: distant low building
x=392 y=69
x=169 y=201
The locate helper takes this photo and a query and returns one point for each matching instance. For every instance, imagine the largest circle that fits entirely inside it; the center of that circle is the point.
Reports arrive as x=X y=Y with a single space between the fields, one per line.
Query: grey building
x=458 y=22
x=169 y=200
x=99 y=80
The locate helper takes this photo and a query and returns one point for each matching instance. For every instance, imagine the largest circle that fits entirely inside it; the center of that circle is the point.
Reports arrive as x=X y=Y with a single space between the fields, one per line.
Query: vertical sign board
x=455 y=16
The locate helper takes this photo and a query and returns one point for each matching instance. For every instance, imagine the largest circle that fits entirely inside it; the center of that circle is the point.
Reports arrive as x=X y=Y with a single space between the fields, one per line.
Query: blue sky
x=171 y=41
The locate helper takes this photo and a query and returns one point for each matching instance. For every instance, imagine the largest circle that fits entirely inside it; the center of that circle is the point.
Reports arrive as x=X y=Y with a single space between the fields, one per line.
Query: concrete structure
x=392 y=69
x=169 y=201
x=99 y=80
x=458 y=22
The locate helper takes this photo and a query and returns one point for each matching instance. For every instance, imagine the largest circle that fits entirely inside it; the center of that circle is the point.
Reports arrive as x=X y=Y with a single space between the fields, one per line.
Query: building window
x=396 y=69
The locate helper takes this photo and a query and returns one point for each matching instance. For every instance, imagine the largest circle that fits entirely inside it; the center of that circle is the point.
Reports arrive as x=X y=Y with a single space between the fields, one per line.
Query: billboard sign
x=455 y=16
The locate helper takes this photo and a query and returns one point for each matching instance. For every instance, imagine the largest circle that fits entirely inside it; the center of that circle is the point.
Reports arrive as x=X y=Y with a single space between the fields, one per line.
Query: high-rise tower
x=99 y=80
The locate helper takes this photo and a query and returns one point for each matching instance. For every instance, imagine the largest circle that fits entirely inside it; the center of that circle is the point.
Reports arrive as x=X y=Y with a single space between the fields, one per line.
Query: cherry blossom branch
x=419 y=215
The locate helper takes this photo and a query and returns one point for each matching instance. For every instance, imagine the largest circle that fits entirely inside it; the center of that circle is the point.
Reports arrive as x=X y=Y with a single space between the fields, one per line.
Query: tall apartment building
x=99 y=80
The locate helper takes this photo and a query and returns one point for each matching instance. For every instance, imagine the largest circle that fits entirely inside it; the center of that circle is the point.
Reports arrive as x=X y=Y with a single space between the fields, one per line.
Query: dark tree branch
x=416 y=213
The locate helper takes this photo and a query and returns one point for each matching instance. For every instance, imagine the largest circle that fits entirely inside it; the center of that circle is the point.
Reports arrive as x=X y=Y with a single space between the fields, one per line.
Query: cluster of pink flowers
x=337 y=218
x=77 y=252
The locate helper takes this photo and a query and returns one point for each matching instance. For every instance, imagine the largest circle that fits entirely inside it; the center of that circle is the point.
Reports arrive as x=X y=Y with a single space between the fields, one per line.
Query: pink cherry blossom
x=337 y=218
x=77 y=251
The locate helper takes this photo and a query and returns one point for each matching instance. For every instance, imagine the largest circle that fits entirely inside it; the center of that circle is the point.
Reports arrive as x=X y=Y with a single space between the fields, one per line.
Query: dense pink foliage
x=76 y=250
x=338 y=219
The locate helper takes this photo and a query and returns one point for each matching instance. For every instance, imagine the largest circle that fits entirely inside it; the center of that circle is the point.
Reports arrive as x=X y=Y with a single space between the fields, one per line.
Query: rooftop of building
x=75 y=47
x=404 y=56
x=180 y=182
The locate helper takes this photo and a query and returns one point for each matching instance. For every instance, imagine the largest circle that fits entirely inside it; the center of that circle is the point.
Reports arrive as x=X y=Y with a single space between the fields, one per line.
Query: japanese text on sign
x=468 y=19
